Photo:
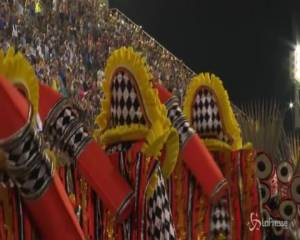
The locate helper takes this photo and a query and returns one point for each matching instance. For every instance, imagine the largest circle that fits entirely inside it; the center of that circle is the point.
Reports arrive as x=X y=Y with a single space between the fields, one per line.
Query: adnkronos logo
x=255 y=223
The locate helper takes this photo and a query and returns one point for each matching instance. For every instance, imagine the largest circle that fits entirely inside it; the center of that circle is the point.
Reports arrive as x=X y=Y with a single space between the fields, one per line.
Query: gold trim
x=216 y=145
x=15 y=68
x=229 y=122
x=122 y=133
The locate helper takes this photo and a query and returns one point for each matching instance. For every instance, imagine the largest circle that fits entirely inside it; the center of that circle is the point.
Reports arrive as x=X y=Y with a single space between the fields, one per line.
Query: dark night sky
x=246 y=43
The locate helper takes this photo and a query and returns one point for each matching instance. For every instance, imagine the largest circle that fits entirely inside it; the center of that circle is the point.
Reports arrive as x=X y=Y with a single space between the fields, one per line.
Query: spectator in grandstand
x=69 y=41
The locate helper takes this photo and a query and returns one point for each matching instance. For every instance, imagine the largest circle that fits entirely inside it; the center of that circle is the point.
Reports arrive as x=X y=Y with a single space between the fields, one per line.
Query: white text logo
x=255 y=223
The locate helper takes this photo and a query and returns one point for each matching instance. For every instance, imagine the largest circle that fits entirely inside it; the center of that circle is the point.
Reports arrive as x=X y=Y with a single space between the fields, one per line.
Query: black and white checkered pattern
x=76 y=140
x=160 y=222
x=64 y=131
x=178 y=120
x=60 y=117
x=66 y=116
x=220 y=218
x=125 y=105
x=27 y=165
x=206 y=118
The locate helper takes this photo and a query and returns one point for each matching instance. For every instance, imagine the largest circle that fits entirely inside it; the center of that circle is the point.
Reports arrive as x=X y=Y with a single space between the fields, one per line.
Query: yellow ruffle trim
x=218 y=145
x=247 y=146
x=122 y=133
x=136 y=65
x=157 y=131
x=15 y=68
x=229 y=121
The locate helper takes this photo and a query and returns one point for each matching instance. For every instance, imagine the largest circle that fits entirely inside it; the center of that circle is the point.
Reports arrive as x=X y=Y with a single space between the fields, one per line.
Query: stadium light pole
x=297 y=63
x=296 y=76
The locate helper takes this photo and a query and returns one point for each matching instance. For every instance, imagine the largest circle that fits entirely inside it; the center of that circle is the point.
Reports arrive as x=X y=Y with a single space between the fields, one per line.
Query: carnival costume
x=70 y=139
x=195 y=168
x=65 y=134
x=140 y=142
x=208 y=111
x=26 y=165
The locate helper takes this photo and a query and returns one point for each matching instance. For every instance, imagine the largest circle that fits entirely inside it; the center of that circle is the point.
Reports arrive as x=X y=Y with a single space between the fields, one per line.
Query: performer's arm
x=67 y=133
x=194 y=153
x=27 y=164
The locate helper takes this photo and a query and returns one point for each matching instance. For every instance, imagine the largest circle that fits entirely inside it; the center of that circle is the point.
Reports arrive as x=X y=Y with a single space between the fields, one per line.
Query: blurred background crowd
x=68 y=43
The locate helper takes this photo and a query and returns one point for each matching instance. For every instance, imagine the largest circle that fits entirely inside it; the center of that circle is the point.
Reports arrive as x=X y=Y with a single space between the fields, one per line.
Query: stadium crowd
x=69 y=41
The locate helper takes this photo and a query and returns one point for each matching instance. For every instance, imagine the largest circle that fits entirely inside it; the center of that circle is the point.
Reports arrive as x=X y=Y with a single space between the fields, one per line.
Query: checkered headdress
x=131 y=109
x=208 y=109
x=125 y=103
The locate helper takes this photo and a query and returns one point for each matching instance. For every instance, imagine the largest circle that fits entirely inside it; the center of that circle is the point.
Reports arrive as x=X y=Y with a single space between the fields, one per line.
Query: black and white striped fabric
x=160 y=222
x=27 y=164
x=76 y=140
x=64 y=131
x=178 y=120
x=206 y=118
x=126 y=228
x=66 y=116
x=220 y=218
x=125 y=105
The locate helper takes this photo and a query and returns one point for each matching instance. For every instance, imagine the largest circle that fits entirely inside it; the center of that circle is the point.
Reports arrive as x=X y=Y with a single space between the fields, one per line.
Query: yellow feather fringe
x=229 y=121
x=15 y=68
